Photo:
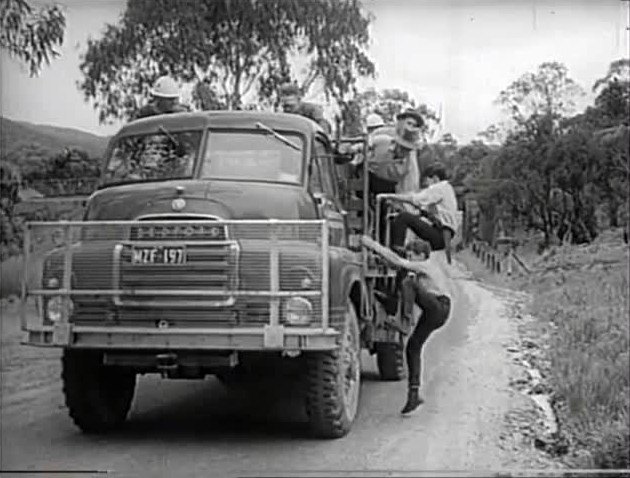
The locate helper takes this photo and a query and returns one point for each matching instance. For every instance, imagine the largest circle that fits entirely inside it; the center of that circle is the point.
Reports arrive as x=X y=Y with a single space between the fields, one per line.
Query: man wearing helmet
x=164 y=99
x=373 y=122
x=291 y=100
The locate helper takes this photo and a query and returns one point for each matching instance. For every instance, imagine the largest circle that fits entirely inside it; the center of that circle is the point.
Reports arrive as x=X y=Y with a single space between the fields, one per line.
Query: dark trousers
x=430 y=233
x=435 y=310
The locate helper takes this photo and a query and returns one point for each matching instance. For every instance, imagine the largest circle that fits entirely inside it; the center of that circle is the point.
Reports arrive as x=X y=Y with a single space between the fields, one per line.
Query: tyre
x=98 y=397
x=333 y=382
x=233 y=379
x=390 y=361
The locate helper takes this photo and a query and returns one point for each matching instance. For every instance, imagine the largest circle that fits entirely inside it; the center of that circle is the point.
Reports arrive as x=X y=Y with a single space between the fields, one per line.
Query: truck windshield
x=157 y=156
x=253 y=155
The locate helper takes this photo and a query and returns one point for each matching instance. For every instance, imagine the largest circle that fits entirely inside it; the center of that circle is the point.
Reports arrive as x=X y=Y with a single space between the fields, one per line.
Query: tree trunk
x=613 y=210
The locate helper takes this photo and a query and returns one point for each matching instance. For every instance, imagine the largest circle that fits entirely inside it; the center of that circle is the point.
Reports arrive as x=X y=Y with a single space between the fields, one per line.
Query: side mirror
x=323 y=202
x=320 y=198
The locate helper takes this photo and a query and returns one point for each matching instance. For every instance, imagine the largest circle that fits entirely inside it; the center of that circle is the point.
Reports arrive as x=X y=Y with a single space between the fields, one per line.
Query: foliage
x=575 y=159
x=31 y=35
x=387 y=103
x=10 y=232
x=36 y=162
x=493 y=134
x=590 y=366
x=467 y=162
x=553 y=171
x=547 y=93
x=69 y=172
x=613 y=98
x=235 y=49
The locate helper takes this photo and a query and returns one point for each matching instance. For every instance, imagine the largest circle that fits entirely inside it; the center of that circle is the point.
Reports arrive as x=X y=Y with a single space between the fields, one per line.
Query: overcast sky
x=456 y=54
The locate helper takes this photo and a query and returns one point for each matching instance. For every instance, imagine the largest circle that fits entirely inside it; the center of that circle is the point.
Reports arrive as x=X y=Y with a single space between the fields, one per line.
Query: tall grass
x=588 y=302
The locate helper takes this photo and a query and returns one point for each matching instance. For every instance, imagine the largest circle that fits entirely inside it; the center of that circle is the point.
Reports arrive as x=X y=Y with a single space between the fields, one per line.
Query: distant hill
x=17 y=134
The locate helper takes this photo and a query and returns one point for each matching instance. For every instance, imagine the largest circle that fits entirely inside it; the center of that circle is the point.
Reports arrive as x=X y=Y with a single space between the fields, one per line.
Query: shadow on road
x=173 y=411
x=214 y=411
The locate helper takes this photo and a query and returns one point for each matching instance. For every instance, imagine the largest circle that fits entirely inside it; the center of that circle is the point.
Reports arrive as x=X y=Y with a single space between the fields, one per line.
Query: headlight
x=298 y=311
x=56 y=307
x=52 y=283
x=306 y=283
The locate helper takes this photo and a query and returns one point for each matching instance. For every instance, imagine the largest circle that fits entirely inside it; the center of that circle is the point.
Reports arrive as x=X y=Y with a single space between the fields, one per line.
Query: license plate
x=158 y=255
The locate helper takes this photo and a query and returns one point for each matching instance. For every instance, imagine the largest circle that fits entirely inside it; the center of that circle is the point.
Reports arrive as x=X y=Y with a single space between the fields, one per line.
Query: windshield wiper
x=278 y=136
x=170 y=136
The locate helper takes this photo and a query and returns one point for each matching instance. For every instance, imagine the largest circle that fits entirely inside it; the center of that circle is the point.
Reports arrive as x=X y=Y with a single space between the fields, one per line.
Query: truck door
x=323 y=187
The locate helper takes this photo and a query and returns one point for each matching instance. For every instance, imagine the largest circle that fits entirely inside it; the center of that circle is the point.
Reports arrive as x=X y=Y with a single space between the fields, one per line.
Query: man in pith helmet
x=373 y=122
x=164 y=99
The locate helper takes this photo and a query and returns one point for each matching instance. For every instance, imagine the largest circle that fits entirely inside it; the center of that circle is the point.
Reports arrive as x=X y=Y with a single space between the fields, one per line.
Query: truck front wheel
x=98 y=397
x=334 y=382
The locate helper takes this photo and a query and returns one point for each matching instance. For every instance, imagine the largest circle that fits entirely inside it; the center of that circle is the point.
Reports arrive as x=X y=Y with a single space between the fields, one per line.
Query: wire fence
x=502 y=259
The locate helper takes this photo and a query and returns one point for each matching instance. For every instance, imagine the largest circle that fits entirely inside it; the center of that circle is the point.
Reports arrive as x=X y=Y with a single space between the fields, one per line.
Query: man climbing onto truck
x=423 y=282
x=430 y=227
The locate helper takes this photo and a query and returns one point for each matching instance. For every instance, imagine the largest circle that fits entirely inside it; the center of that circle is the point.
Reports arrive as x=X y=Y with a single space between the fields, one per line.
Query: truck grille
x=179 y=273
x=211 y=267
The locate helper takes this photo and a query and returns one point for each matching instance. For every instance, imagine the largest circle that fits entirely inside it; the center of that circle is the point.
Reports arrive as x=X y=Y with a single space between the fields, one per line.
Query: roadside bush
x=584 y=292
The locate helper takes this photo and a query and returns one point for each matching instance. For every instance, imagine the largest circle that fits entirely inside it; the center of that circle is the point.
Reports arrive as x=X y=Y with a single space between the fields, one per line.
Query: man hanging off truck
x=430 y=227
x=422 y=281
x=291 y=101
x=165 y=99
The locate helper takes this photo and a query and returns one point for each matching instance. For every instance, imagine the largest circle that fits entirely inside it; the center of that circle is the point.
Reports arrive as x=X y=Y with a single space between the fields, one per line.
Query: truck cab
x=217 y=243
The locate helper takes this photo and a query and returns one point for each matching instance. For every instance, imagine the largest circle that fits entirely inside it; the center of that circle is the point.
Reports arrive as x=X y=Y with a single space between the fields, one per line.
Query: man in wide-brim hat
x=410 y=113
x=392 y=164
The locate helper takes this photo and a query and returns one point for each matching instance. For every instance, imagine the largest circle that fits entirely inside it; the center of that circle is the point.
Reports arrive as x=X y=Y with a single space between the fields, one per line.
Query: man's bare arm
x=392 y=258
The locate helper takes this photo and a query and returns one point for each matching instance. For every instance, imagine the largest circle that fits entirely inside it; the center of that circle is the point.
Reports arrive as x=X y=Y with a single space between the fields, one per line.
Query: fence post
x=509 y=260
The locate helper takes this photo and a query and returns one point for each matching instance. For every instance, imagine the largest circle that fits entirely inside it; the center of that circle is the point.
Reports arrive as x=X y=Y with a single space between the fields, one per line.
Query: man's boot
x=413 y=400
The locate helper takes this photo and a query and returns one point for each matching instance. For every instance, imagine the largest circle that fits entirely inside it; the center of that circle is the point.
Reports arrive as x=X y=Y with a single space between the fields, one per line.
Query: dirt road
x=199 y=428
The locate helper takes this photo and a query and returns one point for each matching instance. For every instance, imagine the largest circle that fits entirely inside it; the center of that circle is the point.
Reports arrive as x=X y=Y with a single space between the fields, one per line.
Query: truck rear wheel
x=390 y=361
x=98 y=397
x=334 y=382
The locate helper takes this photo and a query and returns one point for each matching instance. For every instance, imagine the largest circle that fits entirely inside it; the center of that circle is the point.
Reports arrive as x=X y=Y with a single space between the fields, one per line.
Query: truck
x=217 y=243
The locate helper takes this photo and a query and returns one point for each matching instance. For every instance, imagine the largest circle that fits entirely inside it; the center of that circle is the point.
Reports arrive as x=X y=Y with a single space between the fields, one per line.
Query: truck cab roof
x=222 y=119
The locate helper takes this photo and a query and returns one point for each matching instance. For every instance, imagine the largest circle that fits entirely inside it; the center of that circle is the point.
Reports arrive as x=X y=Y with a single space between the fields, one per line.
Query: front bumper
x=266 y=338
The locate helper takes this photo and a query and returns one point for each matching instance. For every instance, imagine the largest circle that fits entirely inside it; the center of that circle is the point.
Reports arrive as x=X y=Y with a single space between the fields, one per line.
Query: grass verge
x=581 y=294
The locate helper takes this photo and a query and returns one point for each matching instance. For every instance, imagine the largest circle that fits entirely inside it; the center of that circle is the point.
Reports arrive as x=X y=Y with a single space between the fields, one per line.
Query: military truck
x=218 y=243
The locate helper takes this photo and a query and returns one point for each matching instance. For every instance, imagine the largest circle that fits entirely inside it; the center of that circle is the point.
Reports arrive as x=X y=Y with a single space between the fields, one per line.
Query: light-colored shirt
x=443 y=196
x=433 y=274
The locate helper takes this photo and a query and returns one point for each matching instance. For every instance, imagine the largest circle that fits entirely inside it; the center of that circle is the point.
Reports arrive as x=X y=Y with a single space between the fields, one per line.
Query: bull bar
x=271 y=335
